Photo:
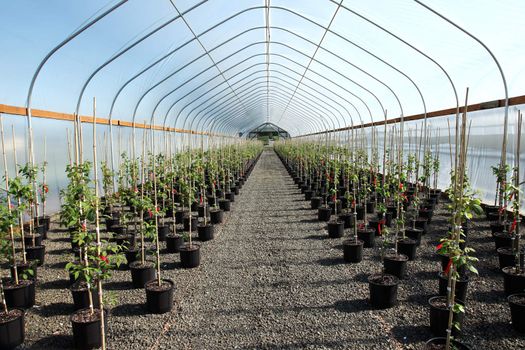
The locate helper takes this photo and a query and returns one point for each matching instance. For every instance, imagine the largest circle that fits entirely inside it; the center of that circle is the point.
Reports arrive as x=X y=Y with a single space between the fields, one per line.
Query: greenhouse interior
x=262 y=174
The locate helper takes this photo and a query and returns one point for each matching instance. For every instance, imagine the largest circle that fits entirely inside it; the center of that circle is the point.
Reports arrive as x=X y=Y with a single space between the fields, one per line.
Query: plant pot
x=131 y=256
x=376 y=225
x=502 y=239
x=422 y=224
x=517 y=311
x=203 y=210
x=174 y=242
x=336 y=205
x=186 y=223
x=224 y=204
x=230 y=196
x=461 y=287
x=37 y=254
x=22 y=268
x=360 y=210
x=395 y=264
x=499 y=227
x=159 y=299
x=347 y=219
x=45 y=221
x=80 y=294
x=308 y=195
x=216 y=216
x=513 y=282
x=383 y=290
x=439 y=313
x=21 y=295
x=206 y=232
x=408 y=247
x=353 y=250
x=110 y=222
x=315 y=202
x=336 y=229
x=118 y=229
x=439 y=343
x=367 y=235
x=324 y=213
x=190 y=256
x=506 y=257
x=180 y=214
x=141 y=274
x=370 y=207
x=28 y=240
x=426 y=213
x=415 y=234
x=163 y=231
x=236 y=190
x=86 y=329
x=12 y=330
x=392 y=209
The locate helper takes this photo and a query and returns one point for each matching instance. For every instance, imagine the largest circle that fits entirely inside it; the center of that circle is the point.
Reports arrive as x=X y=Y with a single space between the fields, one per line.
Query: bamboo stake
x=21 y=217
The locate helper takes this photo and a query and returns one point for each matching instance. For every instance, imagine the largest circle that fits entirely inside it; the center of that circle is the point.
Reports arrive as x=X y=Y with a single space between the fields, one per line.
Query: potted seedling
x=335 y=226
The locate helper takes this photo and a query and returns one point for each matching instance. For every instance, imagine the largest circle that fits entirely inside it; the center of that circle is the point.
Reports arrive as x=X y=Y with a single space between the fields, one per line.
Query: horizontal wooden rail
x=518 y=100
x=40 y=113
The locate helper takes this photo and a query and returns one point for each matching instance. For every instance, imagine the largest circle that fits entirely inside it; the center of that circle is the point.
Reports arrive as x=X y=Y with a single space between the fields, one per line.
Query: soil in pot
x=36 y=254
x=440 y=344
x=439 y=313
x=190 y=256
x=86 y=328
x=21 y=295
x=142 y=273
x=395 y=264
x=216 y=216
x=506 y=257
x=513 y=282
x=408 y=247
x=517 y=311
x=174 y=242
x=353 y=250
x=367 y=235
x=12 y=330
x=336 y=228
x=206 y=232
x=80 y=293
x=383 y=290
x=324 y=213
x=461 y=286
x=159 y=298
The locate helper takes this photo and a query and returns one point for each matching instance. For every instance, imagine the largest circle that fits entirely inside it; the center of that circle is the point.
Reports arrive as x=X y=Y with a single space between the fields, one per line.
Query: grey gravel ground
x=272 y=279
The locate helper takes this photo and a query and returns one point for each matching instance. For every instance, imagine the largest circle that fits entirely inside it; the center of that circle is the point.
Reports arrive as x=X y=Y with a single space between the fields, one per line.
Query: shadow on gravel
x=331 y=261
x=421 y=299
x=362 y=277
x=59 y=251
x=55 y=284
x=492 y=297
x=129 y=310
x=315 y=237
x=61 y=341
x=120 y=285
x=58 y=265
x=352 y=306
x=56 y=309
x=497 y=330
x=411 y=334
x=426 y=275
x=308 y=221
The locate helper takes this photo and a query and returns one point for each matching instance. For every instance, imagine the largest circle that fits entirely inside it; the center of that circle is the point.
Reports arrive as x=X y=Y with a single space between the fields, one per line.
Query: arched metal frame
x=203 y=111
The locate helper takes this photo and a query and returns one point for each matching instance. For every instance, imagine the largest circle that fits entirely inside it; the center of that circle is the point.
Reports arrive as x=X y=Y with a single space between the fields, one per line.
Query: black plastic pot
x=461 y=286
x=370 y=207
x=159 y=299
x=360 y=210
x=431 y=344
x=336 y=205
x=308 y=195
x=21 y=295
x=80 y=294
x=315 y=202
x=37 y=254
x=376 y=225
x=45 y=221
x=163 y=232
x=206 y=232
x=336 y=229
x=230 y=196
x=367 y=235
x=407 y=247
x=502 y=239
x=216 y=216
x=141 y=274
x=383 y=290
x=422 y=224
x=203 y=210
x=506 y=257
x=324 y=213
x=499 y=227
x=190 y=256
x=348 y=219
x=28 y=240
x=174 y=242
x=439 y=313
x=517 y=311
x=12 y=330
x=179 y=215
x=395 y=264
x=512 y=282
x=110 y=222
x=426 y=213
x=86 y=332
x=225 y=204
x=415 y=234
x=353 y=250
x=131 y=255
x=118 y=229
x=186 y=223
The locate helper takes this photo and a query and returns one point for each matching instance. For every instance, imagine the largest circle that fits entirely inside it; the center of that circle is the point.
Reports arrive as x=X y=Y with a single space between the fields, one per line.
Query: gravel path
x=272 y=280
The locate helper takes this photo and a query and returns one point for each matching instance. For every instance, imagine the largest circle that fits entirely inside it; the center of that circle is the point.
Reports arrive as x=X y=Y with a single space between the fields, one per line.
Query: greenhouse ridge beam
x=513 y=101
x=40 y=113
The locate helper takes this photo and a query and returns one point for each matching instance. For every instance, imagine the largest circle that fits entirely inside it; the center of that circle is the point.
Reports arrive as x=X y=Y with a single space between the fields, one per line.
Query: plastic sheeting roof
x=232 y=65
